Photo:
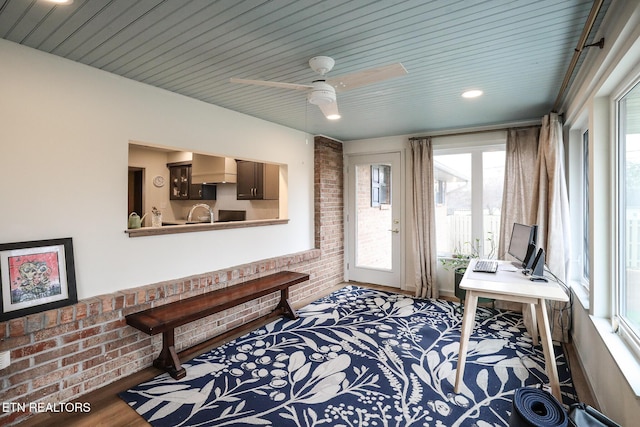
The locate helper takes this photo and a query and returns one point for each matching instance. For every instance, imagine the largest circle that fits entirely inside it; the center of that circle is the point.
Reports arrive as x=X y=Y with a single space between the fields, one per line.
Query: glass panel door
x=374 y=226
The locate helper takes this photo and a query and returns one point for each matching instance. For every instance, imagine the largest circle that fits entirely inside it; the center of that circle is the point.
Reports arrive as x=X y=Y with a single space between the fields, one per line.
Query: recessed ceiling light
x=472 y=93
x=60 y=1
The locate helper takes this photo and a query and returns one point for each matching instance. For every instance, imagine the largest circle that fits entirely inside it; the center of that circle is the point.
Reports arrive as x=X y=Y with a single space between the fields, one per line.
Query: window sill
x=626 y=360
x=581 y=293
x=191 y=228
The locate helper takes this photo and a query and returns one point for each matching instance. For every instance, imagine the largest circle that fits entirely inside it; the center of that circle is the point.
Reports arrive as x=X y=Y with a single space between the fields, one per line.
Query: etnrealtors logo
x=39 y=407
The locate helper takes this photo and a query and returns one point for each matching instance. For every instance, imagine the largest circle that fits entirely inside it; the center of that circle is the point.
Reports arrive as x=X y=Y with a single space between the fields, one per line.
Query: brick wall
x=60 y=355
x=329 y=206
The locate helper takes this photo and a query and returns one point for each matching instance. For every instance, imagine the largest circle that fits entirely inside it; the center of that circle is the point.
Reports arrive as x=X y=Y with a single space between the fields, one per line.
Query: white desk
x=510 y=286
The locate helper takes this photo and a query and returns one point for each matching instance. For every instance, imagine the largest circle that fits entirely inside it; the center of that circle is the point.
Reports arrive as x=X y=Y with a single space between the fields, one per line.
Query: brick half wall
x=60 y=355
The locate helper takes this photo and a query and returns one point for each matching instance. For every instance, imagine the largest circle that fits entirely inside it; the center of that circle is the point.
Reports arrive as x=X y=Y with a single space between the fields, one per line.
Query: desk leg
x=468 y=318
x=534 y=324
x=547 y=348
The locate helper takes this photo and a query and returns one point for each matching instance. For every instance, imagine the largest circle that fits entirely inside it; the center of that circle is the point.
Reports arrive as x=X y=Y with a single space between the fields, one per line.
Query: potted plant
x=459 y=261
x=156 y=217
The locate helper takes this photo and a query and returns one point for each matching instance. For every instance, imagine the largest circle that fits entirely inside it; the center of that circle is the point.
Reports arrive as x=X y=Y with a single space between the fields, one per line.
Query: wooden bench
x=165 y=318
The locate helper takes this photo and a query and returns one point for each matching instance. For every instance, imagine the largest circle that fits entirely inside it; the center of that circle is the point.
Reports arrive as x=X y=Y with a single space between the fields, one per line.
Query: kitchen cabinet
x=179 y=180
x=203 y=192
x=181 y=187
x=257 y=181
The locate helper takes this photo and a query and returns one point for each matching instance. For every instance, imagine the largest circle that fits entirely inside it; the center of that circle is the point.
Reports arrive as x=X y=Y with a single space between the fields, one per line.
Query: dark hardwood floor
x=108 y=410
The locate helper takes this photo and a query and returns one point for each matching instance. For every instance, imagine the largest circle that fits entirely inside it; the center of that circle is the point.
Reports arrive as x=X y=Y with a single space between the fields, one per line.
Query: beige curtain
x=552 y=201
x=424 y=241
x=552 y=215
x=535 y=192
x=518 y=192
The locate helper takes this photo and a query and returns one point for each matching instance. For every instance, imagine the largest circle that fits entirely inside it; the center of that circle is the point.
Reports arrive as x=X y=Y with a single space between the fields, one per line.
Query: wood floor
x=108 y=410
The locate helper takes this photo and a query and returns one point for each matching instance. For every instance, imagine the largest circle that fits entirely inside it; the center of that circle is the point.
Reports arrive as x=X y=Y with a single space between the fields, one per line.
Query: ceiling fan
x=322 y=91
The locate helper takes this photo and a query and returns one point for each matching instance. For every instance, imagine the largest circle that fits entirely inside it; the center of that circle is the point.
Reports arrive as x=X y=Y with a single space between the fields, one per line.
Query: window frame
x=627 y=332
x=585 y=272
x=476 y=151
x=380 y=185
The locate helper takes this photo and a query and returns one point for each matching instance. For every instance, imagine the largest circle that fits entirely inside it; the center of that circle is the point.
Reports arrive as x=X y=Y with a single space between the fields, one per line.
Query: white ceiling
x=517 y=52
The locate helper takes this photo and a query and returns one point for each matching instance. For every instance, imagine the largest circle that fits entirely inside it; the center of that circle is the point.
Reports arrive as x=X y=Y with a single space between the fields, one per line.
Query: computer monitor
x=523 y=243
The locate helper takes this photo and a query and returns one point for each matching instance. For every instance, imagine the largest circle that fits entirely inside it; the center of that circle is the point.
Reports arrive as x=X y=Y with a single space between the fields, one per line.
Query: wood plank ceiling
x=517 y=52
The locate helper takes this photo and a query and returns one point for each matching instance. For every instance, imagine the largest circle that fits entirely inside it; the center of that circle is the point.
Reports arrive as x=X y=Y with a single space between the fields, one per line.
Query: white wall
x=64 y=135
x=610 y=368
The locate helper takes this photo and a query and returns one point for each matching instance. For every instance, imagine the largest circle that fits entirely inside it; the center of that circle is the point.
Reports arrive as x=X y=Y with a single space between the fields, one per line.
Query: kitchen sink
x=225 y=216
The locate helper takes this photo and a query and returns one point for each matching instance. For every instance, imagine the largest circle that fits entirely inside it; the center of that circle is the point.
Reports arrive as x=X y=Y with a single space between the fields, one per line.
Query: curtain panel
x=535 y=192
x=552 y=202
x=519 y=188
x=552 y=215
x=424 y=236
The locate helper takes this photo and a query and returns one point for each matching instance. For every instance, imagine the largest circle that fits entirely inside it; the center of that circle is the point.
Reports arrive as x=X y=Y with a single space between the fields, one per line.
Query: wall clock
x=158 y=181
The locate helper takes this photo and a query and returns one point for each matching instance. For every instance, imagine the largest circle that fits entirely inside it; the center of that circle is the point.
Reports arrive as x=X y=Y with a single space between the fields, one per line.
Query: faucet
x=200 y=205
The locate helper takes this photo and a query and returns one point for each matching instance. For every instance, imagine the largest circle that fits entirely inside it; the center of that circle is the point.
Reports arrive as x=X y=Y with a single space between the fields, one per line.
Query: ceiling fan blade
x=366 y=77
x=330 y=110
x=294 y=86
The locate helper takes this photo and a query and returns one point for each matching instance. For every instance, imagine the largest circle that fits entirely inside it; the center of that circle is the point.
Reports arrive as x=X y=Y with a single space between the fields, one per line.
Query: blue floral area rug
x=358 y=357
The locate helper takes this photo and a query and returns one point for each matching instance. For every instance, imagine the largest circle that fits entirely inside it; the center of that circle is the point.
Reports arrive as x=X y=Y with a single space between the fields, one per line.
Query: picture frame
x=36 y=276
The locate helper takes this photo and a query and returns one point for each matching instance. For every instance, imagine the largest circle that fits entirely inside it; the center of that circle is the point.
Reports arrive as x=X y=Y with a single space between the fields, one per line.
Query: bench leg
x=285 y=305
x=168 y=359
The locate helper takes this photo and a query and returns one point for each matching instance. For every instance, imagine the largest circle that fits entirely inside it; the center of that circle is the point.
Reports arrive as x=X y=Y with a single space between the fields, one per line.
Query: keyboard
x=485 y=266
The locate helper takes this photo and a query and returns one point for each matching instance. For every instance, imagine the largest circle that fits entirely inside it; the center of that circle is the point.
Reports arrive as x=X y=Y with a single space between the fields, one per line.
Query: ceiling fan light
x=322 y=93
x=318 y=97
x=330 y=110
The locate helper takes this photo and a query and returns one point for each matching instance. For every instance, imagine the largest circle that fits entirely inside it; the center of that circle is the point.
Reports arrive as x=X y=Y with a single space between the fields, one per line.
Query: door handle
x=395 y=230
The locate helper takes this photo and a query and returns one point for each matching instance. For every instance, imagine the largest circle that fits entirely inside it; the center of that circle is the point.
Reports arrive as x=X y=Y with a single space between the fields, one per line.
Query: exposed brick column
x=329 y=204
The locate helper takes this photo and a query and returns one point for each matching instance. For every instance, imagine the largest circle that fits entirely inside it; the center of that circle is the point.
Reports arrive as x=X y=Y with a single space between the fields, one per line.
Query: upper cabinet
x=180 y=181
x=257 y=181
x=182 y=186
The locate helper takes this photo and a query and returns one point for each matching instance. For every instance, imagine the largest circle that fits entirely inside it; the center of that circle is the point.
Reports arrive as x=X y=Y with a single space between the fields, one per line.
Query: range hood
x=213 y=170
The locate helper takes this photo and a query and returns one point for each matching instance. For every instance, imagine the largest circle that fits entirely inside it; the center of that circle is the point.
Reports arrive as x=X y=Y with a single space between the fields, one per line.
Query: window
x=380 y=185
x=586 y=266
x=628 y=203
x=468 y=192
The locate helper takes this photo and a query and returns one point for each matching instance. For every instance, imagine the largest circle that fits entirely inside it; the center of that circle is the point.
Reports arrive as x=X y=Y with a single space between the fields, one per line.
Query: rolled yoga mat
x=535 y=407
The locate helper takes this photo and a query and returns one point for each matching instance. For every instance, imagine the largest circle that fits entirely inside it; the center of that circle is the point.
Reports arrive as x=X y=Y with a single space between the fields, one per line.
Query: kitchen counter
x=181 y=226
